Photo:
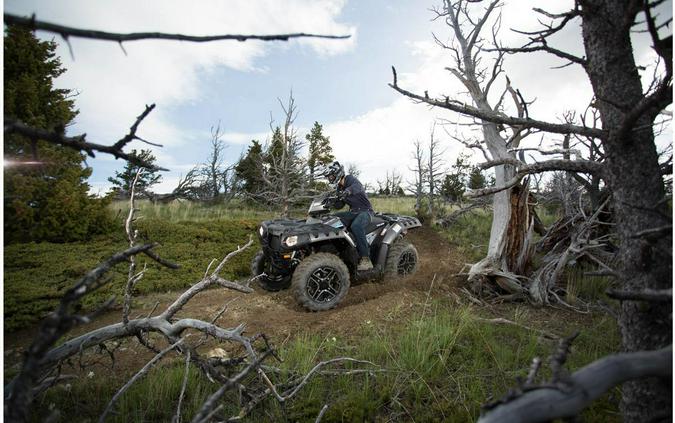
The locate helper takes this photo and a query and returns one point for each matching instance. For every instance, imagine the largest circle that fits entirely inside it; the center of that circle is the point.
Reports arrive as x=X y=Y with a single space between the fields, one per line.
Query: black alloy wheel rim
x=406 y=263
x=324 y=284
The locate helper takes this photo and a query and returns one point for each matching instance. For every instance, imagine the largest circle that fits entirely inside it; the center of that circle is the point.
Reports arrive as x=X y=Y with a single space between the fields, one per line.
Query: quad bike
x=317 y=257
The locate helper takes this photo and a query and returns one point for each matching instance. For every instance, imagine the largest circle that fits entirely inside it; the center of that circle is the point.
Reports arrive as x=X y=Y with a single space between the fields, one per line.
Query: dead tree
x=79 y=142
x=570 y=240
x=510 y=243
x=632 y=170
x=391 y=185
x=185 y=189
x=283 y=174
x=214 y=172
x=212 y=180
x=434 y=173
x=416 y=187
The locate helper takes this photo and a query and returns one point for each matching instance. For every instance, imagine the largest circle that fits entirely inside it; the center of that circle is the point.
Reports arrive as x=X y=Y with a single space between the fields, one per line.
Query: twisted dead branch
x=581 y=242
x=565 y=396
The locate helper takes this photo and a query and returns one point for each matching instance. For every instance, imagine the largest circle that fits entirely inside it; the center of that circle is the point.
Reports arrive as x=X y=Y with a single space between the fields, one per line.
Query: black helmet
x=334 y=172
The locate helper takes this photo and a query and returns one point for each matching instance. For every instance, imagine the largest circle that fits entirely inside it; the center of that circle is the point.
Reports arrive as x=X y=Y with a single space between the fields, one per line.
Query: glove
x=341 y=195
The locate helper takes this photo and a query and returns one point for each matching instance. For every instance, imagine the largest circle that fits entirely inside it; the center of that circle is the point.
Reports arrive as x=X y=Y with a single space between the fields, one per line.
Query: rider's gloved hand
x=341 y=195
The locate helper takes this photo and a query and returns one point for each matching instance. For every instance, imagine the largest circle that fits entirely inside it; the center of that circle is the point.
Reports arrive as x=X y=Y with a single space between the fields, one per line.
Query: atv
x=317 y=256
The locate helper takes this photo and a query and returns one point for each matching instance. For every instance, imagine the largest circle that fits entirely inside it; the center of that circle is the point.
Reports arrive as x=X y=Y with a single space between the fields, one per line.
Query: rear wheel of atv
x=402 y=260
x=320 y=281
x=258 y=266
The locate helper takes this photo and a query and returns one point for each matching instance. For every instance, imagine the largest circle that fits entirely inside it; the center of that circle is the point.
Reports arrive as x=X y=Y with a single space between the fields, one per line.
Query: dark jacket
x=353 y=194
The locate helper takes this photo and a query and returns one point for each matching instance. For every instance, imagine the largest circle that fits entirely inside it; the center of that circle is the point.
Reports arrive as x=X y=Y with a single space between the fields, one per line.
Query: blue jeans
x=357 y=222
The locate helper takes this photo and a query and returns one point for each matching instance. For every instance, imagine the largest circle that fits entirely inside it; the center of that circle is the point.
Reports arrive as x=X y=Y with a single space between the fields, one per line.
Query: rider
x=360 y=211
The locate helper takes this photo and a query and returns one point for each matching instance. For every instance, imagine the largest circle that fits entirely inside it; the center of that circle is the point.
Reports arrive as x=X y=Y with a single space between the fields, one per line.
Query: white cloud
x=114 y=87
x=380 y=140
x=244 y=138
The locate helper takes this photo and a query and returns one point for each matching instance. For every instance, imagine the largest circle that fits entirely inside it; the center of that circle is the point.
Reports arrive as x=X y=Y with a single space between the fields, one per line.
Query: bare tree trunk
x=433 y=173
x=511 y=244
x=636 y=183
x=417 y=186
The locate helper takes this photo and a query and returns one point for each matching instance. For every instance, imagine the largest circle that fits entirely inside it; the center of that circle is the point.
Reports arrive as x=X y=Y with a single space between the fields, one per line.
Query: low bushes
x=37 y=274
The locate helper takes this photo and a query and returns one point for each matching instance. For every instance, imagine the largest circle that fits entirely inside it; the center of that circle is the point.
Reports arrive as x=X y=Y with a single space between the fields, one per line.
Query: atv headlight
x=291 y=240
x=261 y=231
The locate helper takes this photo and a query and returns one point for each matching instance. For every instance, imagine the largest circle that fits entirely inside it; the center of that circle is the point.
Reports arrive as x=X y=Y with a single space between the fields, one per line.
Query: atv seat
x=375 y=222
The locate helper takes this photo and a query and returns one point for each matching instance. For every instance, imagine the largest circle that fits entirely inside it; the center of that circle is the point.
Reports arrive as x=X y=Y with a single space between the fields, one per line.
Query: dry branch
x=66 y=32
x=584 y=166
x=79 y=143
x=499 y=118
x=657 y=295
x=582 y=387
x=18 y=393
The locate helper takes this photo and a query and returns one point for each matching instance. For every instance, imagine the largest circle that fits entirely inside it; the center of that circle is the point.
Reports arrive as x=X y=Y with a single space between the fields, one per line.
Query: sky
x=342 y=84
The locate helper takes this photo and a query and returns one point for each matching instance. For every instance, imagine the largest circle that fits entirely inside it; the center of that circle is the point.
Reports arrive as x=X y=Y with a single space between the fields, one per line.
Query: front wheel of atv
x=258 y=267
x=402 y=260
x=320 y=281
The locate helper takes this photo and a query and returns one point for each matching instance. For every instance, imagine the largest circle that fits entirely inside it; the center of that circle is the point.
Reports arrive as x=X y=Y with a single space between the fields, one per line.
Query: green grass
x=578 y=285
x=186 y=211
x=398 y=205
x=440 y=365
x=470 y=234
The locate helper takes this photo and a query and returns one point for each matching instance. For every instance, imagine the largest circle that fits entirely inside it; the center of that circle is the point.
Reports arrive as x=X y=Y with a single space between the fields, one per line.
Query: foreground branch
x=19 y=391
x=582 y=387
x=66 y=32
x=656 y=295
x=78 y=142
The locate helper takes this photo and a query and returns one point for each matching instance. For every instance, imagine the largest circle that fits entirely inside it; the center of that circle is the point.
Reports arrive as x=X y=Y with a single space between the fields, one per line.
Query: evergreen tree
x=454 y=183
x=476 y=179
x=122 y=181
x=320 y=150
x=45 y=192
x=452 y=188
x=249 y=167
x=275 y=150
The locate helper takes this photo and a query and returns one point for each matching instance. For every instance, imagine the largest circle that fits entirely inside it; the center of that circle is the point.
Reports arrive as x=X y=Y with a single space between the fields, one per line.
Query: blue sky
x=341 y=84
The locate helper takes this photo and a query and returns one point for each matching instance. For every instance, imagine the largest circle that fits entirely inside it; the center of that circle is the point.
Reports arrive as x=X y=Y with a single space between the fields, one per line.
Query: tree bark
x=635 y=181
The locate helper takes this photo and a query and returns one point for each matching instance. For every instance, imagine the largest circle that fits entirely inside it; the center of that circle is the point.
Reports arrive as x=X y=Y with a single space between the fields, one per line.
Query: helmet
x=334 y=172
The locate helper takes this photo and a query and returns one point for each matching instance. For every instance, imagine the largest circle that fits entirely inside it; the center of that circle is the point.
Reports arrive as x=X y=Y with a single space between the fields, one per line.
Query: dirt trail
x=279 y=316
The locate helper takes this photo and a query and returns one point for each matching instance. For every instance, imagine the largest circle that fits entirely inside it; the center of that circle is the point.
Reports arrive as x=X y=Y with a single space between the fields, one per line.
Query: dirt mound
x=280 y=317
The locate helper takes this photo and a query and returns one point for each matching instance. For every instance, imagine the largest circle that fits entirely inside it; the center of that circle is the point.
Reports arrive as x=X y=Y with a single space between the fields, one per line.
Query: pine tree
x=249 y=167
x=275 y=150
x=122 y=181
x=45 y=192
x=320 y=150
x=476 y=179
x=455 y=182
